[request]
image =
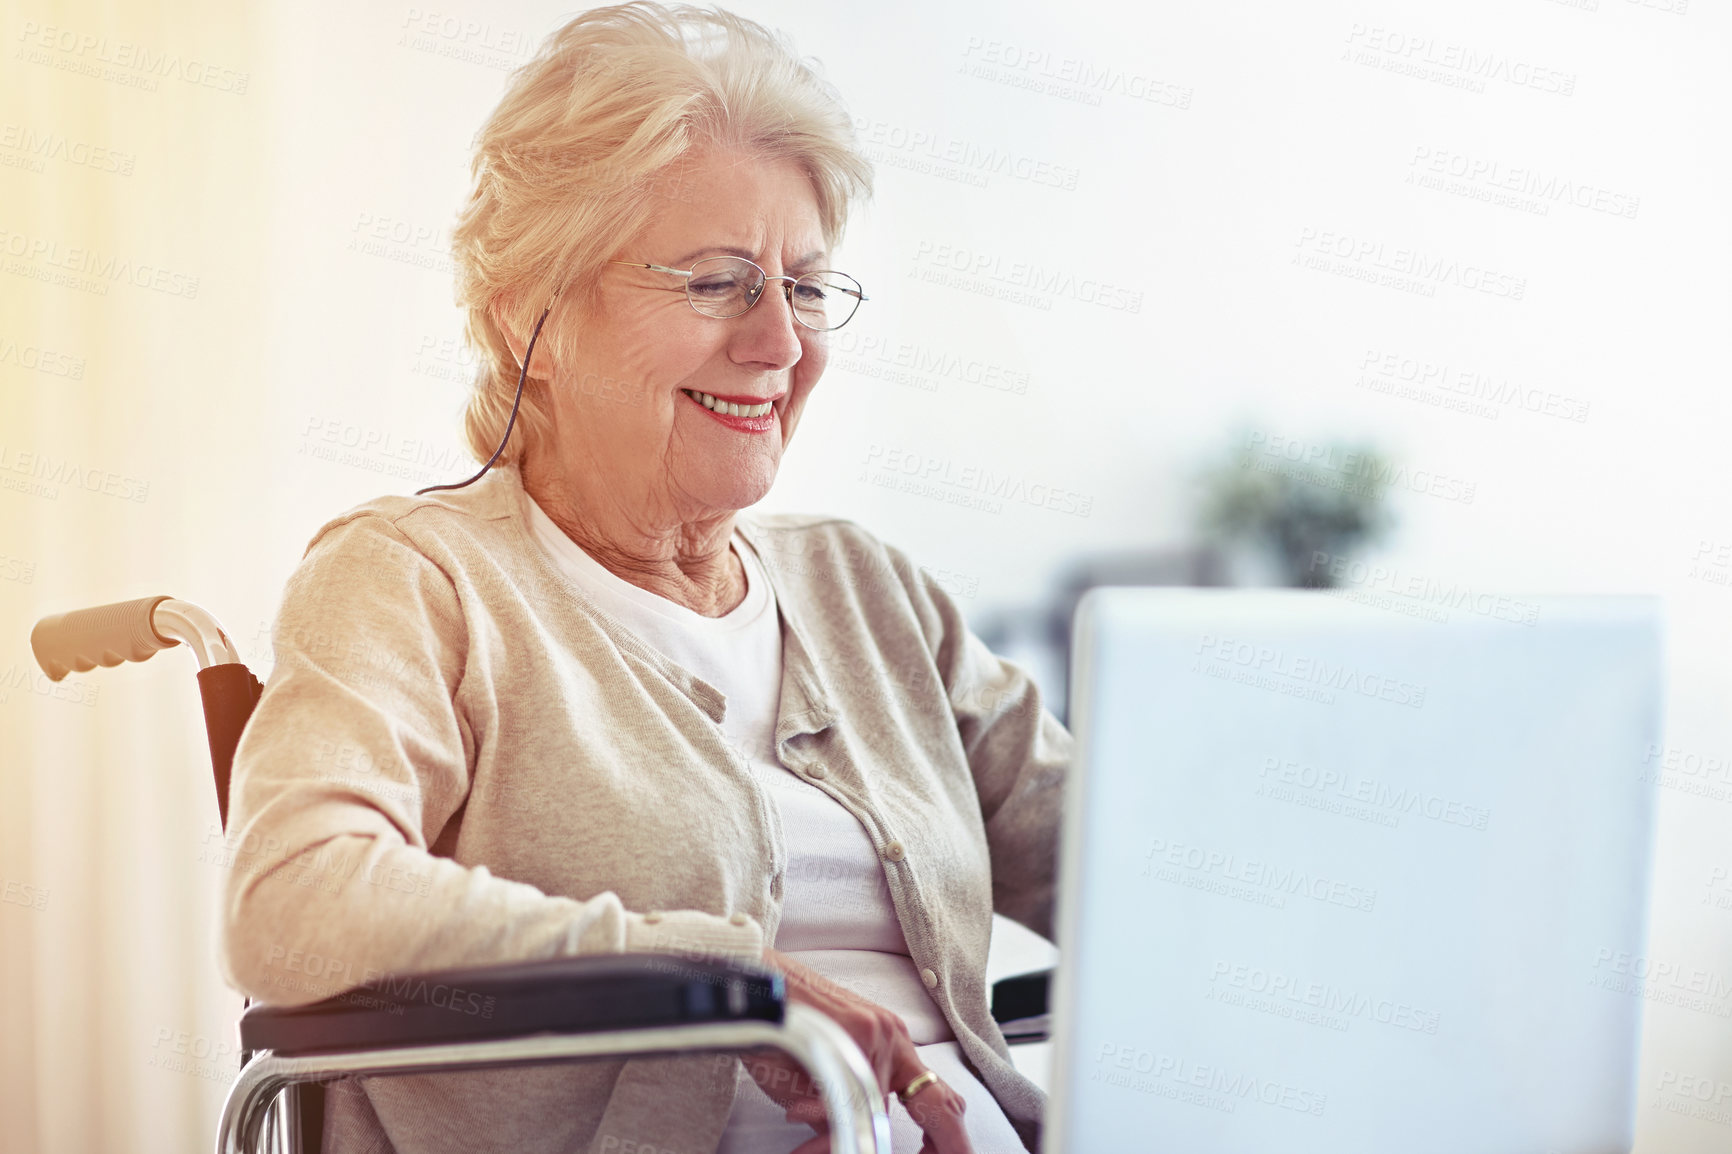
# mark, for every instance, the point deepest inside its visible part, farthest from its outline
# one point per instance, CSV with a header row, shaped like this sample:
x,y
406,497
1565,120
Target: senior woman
x,y
584,705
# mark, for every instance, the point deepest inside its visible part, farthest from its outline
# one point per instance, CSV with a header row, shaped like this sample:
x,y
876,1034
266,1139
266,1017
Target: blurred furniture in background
x,y
1039,636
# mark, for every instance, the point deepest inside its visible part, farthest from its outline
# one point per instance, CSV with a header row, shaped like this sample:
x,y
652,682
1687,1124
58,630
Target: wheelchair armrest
x,y
571,995
1019,1006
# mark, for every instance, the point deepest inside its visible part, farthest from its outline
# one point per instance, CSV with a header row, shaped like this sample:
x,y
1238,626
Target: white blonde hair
x,y
564,169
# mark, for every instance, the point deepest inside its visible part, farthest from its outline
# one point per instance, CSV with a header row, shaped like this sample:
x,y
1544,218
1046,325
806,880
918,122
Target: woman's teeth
x,y
727,408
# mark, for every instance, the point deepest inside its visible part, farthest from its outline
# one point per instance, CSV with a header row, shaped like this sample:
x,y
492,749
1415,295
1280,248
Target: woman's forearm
x,y
355,910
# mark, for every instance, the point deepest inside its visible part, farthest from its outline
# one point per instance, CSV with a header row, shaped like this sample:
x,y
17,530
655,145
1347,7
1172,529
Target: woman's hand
x,y
883,1037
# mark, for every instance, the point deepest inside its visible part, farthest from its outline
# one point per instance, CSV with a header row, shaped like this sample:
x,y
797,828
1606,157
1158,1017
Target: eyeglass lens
x,y
726,286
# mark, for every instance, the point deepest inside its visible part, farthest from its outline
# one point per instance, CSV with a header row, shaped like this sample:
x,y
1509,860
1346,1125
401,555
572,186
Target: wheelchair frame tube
x,y
852,1102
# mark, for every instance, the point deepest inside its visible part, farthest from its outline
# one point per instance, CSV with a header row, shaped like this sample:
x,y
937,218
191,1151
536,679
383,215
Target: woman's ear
x,y
501,311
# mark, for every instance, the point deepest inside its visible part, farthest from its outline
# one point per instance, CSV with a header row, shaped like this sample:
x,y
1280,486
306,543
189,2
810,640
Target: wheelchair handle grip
x,y
101,635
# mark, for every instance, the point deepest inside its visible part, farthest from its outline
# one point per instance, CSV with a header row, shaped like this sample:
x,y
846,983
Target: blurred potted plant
x,y
1291,502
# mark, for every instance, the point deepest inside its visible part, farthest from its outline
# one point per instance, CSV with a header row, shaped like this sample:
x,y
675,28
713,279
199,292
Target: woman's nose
x,y
771,334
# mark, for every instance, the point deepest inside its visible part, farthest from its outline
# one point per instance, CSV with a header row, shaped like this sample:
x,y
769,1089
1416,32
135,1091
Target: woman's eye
x,y
715,286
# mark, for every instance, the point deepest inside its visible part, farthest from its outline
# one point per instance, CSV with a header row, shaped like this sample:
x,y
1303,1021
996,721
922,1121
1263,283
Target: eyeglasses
x,y
726,286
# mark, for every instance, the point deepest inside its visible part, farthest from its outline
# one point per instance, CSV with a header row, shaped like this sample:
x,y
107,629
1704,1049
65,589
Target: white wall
x,y
1231,143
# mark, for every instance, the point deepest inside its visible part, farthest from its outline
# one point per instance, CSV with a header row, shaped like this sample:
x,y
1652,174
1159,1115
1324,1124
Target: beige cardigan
x,y
459,760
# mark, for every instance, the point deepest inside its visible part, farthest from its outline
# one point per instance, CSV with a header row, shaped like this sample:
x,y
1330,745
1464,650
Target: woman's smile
x,y
743,413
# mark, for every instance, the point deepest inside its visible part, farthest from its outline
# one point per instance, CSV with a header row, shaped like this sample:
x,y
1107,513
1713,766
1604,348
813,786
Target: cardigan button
x,y
739,919
930,978
652,917
894,851
816,771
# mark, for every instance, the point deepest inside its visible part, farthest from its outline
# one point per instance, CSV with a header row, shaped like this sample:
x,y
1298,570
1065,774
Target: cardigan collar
x,y
807,705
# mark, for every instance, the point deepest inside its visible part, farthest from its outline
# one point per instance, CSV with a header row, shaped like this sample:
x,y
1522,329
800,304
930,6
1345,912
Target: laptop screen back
x,y
1340,879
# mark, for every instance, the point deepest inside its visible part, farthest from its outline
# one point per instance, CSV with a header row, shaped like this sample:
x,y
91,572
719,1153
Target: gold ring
x,y
917,1085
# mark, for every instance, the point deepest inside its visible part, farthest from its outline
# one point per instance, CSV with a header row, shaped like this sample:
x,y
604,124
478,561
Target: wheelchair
x,y
542,1012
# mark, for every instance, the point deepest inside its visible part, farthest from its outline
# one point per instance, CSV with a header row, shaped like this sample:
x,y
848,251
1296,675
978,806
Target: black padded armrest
x,y
561,995
1020,996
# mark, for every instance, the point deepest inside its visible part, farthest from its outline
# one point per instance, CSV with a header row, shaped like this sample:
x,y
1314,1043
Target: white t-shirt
x,y
837,916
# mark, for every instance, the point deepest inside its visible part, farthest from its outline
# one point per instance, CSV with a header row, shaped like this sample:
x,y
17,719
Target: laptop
x,y
1355,878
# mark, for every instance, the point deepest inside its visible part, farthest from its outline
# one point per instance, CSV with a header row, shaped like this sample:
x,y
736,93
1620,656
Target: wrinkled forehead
x,y
734,202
